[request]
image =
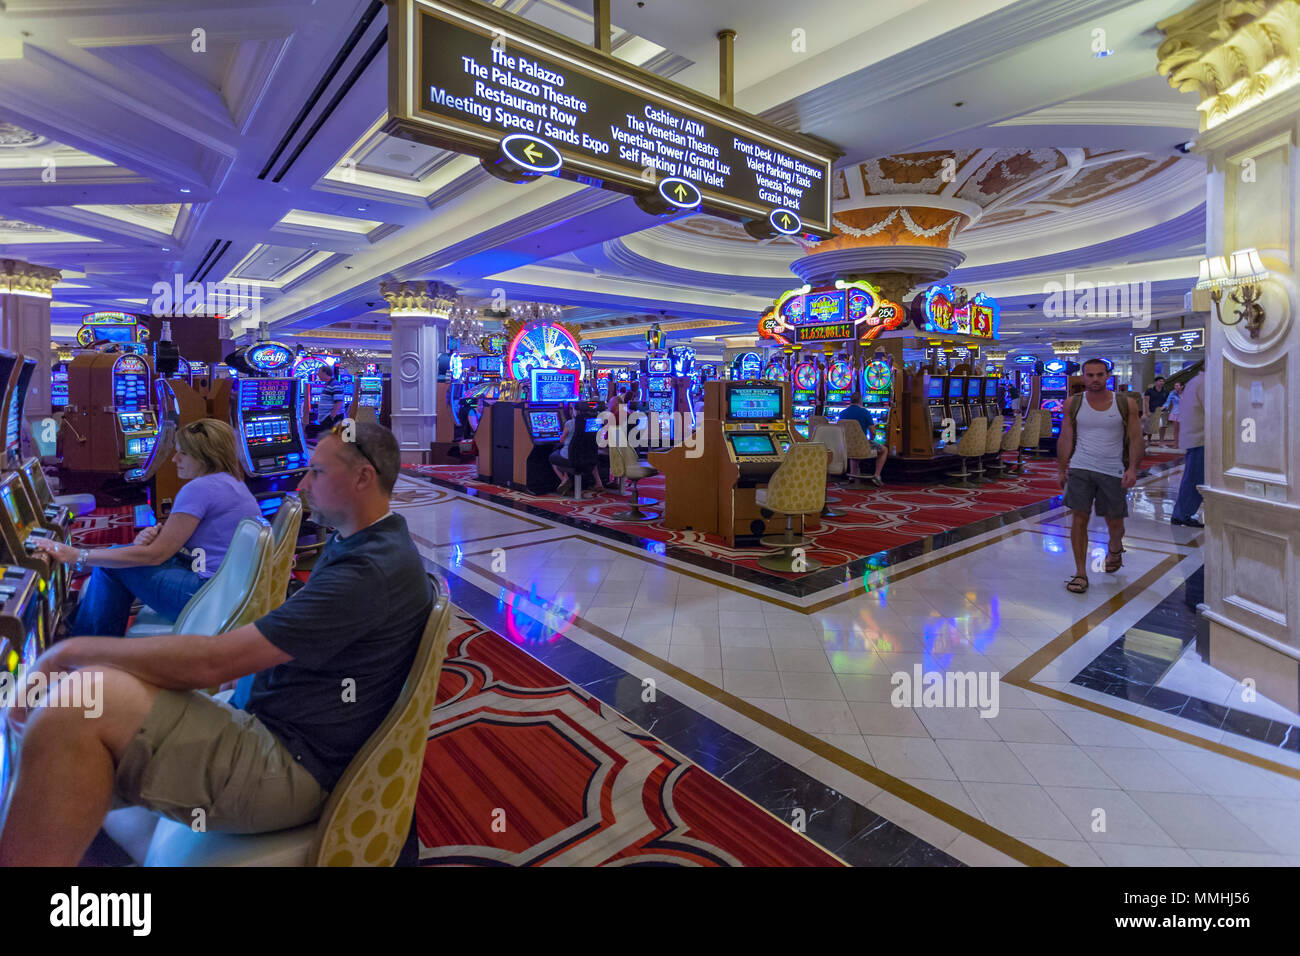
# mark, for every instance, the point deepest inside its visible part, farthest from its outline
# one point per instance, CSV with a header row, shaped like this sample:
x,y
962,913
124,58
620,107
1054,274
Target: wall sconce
x,y
1241,274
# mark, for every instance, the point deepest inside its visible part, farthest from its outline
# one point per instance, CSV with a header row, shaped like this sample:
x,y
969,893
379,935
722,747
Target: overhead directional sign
x,y
465,74
679,192
1183,340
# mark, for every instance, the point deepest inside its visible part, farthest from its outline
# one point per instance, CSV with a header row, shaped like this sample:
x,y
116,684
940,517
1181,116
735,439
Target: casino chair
x,y
1044,431
994,447
582,456
233,597
1028,439
367,818
857,448
832,436
284,541
1011,442
971,445
797,487
625,465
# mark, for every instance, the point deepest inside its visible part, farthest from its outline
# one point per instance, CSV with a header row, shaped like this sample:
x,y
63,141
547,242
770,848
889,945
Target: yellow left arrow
x,y
532,152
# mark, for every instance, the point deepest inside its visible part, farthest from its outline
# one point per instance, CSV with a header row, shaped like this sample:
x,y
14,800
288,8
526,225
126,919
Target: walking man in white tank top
x,y
1097,457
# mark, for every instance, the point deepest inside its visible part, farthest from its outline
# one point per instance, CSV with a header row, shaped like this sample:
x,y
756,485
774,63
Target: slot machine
x,y
304,369
659,397
110,425
878,398
265,406
954,401
774,371
839,388
974,389
371,390
1054,390
59,387
37,499
22,639
927,411
991,407
803,403
19,531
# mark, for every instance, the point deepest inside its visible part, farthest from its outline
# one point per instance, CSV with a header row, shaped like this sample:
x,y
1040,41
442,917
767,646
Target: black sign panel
x,y
1181,340
465,75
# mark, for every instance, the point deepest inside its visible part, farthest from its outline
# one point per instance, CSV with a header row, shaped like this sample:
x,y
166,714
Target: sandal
x,y
1073,587
1114,561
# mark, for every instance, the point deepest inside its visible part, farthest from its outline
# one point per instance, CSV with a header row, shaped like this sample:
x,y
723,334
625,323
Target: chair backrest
x,y
798,486
284,541
832,436
1011,439
972,441
857,444
994,442
231,598
626,456
368,814
582,447
1029,433
617,442
817,421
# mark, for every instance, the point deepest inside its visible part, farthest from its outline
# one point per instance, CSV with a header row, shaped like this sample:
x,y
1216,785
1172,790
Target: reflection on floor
x,y
800,685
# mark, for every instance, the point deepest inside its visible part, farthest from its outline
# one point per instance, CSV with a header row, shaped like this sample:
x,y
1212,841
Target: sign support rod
x,y
726,66
600,18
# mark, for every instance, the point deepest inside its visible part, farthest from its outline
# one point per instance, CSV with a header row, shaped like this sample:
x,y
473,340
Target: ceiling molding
x,y
1110,113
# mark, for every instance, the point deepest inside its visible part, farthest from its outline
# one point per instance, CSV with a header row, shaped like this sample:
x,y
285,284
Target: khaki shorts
x,y
193,752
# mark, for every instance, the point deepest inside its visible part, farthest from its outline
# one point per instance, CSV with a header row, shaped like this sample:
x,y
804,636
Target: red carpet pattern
x,y
104,527
874,519
526,769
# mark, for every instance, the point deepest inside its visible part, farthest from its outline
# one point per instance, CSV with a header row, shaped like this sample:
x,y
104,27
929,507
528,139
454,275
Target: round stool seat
x,y
79,505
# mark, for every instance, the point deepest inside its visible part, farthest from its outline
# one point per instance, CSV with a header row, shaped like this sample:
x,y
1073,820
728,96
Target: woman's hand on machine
x,y
60,552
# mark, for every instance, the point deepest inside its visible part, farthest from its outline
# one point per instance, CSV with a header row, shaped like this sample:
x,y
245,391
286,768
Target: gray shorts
x,y
196,753
1085,488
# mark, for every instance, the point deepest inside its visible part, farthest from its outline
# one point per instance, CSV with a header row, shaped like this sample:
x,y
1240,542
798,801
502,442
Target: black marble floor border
x,y
844,827
1127,673
804,586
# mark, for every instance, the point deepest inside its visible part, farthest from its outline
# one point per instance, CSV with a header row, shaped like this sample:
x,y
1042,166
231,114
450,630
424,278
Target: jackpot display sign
x,y
607,121
842,312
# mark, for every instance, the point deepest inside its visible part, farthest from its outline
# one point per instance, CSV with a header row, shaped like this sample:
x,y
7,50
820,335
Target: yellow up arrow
x,y
532,152
681,191
785,219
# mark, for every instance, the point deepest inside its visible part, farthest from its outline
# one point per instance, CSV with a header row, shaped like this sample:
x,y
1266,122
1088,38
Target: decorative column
x,y
1244,61
25,294
418,312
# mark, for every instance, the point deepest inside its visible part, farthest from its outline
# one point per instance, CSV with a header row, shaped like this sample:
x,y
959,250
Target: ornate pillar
x,y
418,313
25,294
1243,60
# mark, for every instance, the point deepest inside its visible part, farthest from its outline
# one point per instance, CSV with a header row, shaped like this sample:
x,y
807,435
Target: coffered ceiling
x,y
240,140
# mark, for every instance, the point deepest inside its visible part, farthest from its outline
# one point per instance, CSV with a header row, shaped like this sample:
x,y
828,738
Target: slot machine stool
x,y
832,436
797,487
79,505
971,445
623,463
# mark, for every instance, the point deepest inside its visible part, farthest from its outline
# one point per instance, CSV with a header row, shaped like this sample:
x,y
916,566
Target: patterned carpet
x,y
104,527
874,519
526,769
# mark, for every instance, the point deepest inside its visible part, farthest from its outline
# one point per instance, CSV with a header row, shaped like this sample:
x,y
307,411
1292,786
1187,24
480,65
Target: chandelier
x,y
535,312
464,322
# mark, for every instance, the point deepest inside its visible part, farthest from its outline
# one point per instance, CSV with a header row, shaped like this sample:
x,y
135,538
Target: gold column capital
x,y
429,298
23,278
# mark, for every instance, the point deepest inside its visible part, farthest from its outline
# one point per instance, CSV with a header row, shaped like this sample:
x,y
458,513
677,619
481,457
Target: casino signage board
x,y
1184,340
465,76
980,317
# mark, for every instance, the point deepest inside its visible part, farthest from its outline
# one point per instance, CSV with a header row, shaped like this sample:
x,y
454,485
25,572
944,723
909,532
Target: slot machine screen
x,y
130,384
553,384
954,389
934,388
13,426
1055,383
1110,383
833,413
115,333
593,425
265,408
490,364
753,403
11,506
752,444
59,389
658,366
544,425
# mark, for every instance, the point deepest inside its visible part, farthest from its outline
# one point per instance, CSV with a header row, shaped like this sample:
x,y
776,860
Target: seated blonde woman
x,y
160,567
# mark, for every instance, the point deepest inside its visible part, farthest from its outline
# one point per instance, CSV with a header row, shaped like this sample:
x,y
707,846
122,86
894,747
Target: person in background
x,y
208,508
1192,420
561,454
857,413
618,398
634,397
1153,410
332,396
1175,397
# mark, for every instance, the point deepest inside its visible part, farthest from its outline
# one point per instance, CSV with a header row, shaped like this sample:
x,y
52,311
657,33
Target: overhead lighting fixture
x,y
1102,54
185,190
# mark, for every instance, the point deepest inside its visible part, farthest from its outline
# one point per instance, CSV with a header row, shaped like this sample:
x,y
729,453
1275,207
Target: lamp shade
x,y
1247,265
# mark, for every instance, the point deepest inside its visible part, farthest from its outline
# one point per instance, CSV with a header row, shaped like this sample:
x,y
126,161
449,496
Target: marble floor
x,y
788,698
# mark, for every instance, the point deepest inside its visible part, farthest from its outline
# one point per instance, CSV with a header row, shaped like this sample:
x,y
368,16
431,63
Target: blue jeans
x,y
1189,499
105,604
